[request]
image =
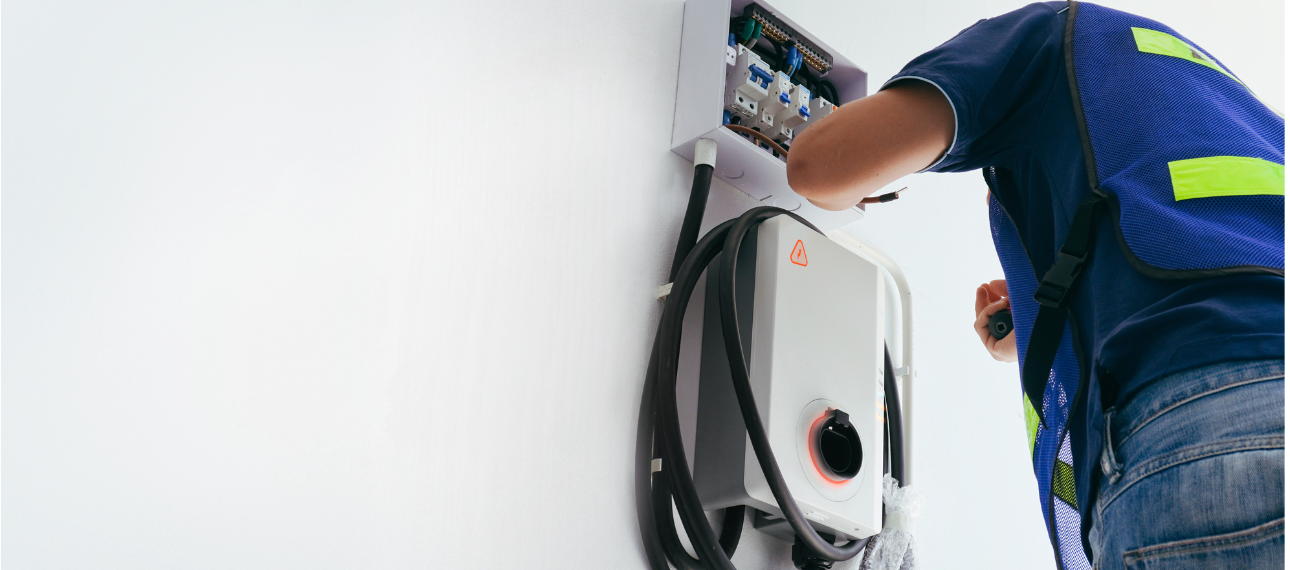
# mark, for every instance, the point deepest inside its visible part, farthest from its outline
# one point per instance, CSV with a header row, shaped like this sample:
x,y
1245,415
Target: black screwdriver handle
x,y
1001,324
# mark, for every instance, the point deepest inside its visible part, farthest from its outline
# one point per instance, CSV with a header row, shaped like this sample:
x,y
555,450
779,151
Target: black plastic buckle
x,y
1059,279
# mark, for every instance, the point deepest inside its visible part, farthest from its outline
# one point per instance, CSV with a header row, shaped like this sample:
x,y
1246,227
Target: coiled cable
x,y
658,427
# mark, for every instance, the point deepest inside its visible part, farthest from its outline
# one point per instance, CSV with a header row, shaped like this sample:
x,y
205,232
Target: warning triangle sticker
x,y
799,254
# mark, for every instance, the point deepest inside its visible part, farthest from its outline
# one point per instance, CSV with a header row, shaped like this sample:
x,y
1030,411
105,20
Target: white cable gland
x,y
705,152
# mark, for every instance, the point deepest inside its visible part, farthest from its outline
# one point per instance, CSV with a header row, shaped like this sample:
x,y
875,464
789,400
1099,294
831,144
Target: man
x,y
1137,206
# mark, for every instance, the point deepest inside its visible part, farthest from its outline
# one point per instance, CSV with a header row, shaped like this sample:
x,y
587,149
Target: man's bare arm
x,y
868,144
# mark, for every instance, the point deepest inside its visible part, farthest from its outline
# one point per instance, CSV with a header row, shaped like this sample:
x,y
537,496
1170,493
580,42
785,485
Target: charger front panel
x,y
811,319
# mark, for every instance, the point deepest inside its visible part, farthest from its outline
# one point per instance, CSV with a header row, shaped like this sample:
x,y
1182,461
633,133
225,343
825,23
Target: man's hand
x,y
991,298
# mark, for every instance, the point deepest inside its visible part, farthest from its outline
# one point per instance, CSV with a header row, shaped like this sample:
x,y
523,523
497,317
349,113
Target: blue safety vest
x,y
1190,165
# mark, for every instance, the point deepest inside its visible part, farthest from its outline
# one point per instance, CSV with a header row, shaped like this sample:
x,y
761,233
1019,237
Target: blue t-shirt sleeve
x,y
996,75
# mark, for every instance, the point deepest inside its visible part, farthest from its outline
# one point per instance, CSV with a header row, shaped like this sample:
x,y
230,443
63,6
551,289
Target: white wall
x,y
369,284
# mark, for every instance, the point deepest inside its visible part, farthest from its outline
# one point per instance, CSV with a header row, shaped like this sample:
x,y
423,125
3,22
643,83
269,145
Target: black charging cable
x,y
662,470
653,488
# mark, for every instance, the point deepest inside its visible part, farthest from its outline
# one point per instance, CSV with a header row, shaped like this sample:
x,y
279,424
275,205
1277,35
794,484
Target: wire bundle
x,y
749,32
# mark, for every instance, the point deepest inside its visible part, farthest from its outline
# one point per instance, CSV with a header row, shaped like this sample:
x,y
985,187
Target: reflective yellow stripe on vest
x,y
1215,176
1063,482
1151,41
1032,422
1160,43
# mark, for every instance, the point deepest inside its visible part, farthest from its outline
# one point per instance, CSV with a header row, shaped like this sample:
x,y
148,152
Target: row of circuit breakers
x,y
764,96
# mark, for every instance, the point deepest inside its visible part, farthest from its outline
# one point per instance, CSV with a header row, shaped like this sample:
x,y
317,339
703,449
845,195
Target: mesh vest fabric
x,y
1144,110
1052,446
1144,115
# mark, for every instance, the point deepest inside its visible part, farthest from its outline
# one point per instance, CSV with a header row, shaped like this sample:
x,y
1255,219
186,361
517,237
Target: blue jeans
x,y
1192,473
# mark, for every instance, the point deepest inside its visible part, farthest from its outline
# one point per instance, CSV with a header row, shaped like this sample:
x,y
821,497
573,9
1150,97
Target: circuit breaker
x,y
812,318
747,65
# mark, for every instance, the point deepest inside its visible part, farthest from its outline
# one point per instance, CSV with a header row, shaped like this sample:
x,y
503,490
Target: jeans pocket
x,y
1258,548
1111,465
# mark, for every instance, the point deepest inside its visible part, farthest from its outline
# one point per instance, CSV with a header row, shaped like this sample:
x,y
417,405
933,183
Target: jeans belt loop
x,y
1111,466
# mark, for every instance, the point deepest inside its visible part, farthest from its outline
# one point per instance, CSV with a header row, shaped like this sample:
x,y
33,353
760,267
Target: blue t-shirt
x,y
1006,80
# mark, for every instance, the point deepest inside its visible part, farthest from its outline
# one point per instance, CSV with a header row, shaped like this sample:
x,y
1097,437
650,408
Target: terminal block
x,y
778,31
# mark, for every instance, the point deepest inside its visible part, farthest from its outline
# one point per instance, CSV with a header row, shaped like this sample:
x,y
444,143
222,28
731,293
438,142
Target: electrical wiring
x,y
883,199
759,136
653,489
756,35
793,60
805,79
826,84
743,28
894,422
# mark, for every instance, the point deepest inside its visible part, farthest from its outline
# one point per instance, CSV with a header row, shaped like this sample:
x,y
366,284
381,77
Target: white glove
x,y
893,548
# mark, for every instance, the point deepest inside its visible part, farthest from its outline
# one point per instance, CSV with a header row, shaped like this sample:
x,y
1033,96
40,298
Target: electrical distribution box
x,y
747,64
812,320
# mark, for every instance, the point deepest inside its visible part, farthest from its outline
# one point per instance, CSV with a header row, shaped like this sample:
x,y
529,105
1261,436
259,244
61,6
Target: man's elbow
x,y
808,176
799,175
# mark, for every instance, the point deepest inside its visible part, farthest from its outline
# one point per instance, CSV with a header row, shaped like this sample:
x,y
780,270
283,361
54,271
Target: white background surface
x,y
370,284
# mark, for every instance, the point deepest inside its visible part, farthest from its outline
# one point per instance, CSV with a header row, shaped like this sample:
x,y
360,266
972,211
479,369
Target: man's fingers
x,y
983,317
982,324
991,298
984,333
999,287
1005,349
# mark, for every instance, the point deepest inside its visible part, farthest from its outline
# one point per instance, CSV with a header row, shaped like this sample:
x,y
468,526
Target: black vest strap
x,y
1051,296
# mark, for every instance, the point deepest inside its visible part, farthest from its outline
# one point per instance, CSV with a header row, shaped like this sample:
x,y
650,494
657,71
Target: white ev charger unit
x,y
799,416
811,317
796,417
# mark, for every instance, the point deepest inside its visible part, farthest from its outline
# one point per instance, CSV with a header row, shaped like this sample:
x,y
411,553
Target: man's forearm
x,y
868,144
